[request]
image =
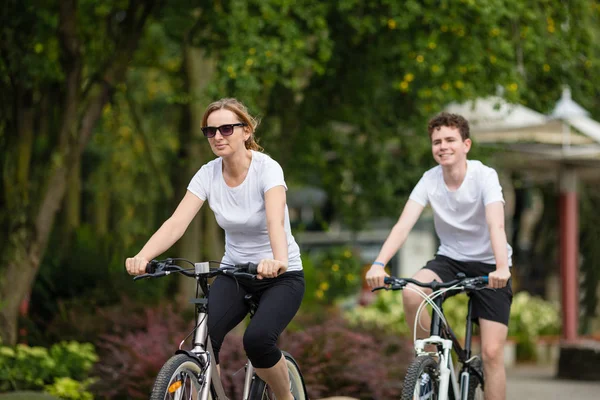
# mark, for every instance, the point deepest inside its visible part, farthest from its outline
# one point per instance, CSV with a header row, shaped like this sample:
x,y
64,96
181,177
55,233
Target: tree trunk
x,y
203,239
29,238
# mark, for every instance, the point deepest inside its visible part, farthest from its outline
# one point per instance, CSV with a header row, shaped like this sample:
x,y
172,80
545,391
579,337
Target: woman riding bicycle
x,y
246,190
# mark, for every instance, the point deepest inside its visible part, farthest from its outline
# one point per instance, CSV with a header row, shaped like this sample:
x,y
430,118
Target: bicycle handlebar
x,y
465,283
156,269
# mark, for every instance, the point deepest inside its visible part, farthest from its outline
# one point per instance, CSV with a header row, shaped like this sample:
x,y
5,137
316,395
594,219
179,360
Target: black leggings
x,y
280,299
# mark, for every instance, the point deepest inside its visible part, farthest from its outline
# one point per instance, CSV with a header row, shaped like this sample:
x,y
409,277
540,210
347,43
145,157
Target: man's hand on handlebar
x,y
271,268
136,265
499,278
375,276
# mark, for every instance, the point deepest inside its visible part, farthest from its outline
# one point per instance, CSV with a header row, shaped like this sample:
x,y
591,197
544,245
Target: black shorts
x,y
490,304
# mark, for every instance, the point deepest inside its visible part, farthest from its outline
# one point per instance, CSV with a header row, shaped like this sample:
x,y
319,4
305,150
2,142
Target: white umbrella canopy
x,y
493,113
534,142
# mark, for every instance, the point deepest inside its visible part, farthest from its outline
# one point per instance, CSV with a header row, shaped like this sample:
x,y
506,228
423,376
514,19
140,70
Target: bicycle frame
x,y
445,340
202,347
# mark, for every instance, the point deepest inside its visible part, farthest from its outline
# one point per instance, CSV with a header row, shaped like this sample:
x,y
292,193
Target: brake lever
x,y
380,288
155,275
244,275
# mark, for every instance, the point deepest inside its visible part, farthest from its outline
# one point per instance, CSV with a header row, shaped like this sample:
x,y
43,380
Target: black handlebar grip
x,y
252,268
151,267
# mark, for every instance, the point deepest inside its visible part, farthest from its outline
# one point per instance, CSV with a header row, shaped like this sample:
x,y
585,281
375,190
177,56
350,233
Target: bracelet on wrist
x,y
379,263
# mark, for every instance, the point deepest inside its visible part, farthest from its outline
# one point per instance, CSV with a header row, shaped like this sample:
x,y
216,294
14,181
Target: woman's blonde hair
x,y
239,109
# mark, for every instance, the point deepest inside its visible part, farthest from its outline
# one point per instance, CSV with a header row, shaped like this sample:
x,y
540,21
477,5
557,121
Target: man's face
x,y
447,146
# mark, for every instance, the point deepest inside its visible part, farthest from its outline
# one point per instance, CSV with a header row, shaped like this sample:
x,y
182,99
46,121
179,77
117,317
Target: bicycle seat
x,y
252,303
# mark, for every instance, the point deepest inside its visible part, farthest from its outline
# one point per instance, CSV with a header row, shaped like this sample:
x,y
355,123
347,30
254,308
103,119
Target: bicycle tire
x,y
475,381
259,390
180,374
421,380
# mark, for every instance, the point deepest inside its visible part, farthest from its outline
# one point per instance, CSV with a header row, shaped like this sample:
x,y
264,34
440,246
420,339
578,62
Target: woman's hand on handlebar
x,y
271,268
136,265
375,276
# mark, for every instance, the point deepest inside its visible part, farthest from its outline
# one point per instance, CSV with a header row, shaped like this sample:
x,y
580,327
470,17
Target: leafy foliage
x,y
132,355
336,359
61,370
331,275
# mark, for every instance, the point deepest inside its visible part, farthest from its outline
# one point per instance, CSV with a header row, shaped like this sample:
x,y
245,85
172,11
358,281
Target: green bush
x,y
331,274
386,314
530,317
38,368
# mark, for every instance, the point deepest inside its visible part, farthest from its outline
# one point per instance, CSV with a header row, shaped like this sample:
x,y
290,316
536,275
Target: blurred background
x,y
100,116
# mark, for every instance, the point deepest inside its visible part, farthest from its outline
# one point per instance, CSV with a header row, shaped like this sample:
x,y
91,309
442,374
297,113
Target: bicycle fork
x,y
445,362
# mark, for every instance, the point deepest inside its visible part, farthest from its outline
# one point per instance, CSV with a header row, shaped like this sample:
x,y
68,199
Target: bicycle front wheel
x,y
259,390
421,381
475,381
178,379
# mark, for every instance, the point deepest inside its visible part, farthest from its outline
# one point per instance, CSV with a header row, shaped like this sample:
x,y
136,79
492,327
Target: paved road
x,y
540,383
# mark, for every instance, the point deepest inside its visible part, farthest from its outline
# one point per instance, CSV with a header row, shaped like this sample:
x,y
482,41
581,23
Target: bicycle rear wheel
x,y
259,390
178,379
421,380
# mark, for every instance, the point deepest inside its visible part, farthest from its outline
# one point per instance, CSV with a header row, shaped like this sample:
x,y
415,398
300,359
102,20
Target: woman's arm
x,y
275,201
169,233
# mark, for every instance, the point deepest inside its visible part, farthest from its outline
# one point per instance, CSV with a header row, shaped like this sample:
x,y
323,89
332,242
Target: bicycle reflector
x,y
174,386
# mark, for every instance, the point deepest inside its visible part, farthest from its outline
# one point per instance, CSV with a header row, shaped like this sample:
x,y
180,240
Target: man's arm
x,y
494,215
411,213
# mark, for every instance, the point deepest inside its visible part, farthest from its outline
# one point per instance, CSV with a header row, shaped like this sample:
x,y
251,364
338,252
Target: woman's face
x,y
224,146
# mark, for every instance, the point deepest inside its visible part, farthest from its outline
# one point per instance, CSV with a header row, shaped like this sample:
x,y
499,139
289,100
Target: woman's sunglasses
x,y
226,130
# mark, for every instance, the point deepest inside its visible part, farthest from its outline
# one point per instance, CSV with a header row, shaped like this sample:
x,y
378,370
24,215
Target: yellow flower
x,y
252,51
391,24
513,87
335,267
38,48
420,58
495,32
446,86
404,85
350,277
493,59
249,62
435,68
347,253
459,84
319,294
268,53
324,286
230,69
432,45
409,77
546,68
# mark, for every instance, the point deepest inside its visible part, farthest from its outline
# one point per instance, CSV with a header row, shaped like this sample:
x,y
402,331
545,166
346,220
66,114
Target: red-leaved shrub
x,y
130,361
336,360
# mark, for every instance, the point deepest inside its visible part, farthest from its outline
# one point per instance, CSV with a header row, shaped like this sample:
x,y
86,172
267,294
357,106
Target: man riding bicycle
x,y
466,198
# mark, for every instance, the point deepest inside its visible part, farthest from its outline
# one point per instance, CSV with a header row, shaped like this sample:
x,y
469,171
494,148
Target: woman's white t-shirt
x,y
240,210
459,216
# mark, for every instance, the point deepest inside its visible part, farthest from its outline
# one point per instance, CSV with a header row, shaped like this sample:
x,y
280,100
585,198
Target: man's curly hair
x,y
451,121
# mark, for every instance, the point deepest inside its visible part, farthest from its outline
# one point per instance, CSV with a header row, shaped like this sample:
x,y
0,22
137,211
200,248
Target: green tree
x,y
61,62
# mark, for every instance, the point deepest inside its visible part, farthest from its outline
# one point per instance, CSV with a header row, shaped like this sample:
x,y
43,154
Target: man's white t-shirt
x,y
459,216
240,210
